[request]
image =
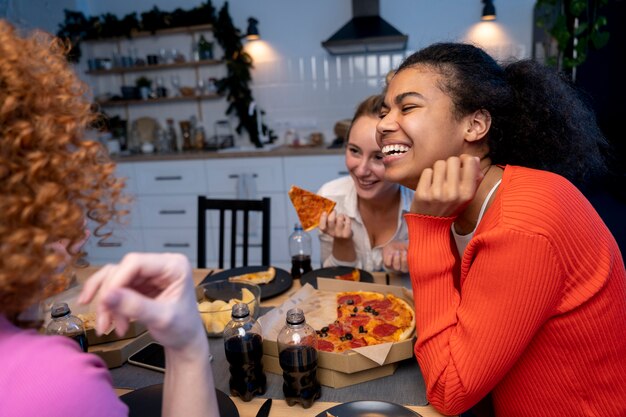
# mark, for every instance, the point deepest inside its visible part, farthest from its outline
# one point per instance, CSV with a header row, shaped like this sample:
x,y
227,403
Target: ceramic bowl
x,y
216,300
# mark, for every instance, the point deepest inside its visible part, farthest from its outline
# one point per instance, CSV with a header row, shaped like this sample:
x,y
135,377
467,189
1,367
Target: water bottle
x,y
65,324
297,355
244,351
300,251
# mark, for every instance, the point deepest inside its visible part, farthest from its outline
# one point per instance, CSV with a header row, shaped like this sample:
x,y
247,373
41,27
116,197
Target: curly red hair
x,y
50,177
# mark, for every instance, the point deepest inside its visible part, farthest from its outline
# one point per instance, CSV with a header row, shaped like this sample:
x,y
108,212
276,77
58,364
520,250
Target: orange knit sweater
x,y
537,316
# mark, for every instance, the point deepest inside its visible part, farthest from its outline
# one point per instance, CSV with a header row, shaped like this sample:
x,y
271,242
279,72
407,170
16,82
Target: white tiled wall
x,y
313,93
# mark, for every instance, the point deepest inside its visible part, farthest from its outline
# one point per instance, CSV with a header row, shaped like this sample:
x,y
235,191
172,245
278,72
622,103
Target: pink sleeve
x,y
52,377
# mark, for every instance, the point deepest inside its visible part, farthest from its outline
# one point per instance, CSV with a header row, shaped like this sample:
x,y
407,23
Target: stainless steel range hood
x,y
365,32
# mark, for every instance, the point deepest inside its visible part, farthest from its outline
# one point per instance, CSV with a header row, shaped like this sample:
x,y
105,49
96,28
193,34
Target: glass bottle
x,y
65,324
243,344
171,135
297,355
300,251
185,131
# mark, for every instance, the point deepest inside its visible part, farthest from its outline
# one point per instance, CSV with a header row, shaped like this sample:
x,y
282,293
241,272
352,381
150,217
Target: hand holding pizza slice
x,y
309,206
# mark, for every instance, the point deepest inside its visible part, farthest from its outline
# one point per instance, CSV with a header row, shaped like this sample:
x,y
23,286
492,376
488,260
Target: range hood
x,y
365,32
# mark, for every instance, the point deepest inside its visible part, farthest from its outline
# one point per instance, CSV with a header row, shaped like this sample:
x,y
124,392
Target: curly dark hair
x,y
51,178
538,118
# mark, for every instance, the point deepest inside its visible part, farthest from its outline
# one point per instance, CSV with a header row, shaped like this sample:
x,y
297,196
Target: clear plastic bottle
x,y
243,344
300,251
297,355
65,324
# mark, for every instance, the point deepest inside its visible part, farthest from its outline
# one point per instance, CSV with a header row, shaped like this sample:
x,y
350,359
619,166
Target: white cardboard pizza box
x,y
348,368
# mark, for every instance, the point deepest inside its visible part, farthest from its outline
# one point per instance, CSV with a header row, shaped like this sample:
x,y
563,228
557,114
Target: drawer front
x,y
311,172
126,170
181,240
115,247
225,175
185,177
169,211
278,215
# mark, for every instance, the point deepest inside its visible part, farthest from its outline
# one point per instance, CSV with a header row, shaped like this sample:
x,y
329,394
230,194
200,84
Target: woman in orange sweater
x,y
520,289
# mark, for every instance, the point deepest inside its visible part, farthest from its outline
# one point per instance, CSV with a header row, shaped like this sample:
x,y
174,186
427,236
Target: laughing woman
x,y
366,229
520,289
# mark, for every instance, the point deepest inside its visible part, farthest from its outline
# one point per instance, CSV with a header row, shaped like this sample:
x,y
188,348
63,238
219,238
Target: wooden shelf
x,y
119,103
162,32
158,67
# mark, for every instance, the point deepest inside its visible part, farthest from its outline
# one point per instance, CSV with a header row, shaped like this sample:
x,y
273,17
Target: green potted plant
x,y
145,87
567,29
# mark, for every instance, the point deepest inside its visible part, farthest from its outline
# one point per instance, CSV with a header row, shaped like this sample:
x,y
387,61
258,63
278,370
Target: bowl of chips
x,y
216,300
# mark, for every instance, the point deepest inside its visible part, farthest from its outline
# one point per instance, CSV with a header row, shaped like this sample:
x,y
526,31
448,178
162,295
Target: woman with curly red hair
x,y
51,181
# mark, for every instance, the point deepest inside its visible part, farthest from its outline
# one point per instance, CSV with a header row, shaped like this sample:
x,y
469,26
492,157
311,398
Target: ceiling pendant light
x,y
489,10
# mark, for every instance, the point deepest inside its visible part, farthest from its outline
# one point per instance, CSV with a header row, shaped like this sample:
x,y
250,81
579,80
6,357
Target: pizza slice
x,y
309,206
260,277
354,275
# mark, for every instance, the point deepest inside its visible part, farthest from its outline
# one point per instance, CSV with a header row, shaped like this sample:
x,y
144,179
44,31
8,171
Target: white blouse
x,y
343,192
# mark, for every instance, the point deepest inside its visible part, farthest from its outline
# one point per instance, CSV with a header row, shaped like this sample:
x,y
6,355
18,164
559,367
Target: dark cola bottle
x,y
65,324
243,344
297,354
300,248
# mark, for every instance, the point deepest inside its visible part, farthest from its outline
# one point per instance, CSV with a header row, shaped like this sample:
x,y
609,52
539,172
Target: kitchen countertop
x,y
231,153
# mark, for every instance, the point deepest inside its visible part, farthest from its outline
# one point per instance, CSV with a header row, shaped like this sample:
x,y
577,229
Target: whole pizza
x,y
366,318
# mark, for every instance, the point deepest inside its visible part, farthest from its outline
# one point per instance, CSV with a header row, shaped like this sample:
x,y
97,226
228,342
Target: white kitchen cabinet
x,y
180,240
224,175
164,207
170,177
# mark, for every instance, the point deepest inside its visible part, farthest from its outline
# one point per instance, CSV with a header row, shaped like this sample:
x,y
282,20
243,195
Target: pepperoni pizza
x,y
366,318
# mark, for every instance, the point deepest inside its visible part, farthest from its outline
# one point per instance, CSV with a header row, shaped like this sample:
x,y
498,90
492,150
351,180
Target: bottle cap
x,y
240,311
295,316
59,310
297,226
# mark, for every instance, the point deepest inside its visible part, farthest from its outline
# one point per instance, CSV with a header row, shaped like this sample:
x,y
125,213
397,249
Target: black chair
x,y
234,206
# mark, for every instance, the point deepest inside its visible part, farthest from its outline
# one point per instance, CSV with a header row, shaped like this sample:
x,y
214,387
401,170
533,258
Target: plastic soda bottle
x,y
297,355
244,351
300,251
65,324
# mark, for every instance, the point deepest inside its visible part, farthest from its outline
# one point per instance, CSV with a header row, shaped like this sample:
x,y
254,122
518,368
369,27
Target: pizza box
x,y
354,362
85,313
115,353
335,379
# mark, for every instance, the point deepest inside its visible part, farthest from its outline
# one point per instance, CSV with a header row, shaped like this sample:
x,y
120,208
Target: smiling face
x,y
418,125
365,161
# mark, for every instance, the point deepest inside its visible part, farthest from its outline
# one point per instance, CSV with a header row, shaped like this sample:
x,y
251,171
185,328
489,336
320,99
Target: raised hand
x,y
448,187
155,289
339,226
395,256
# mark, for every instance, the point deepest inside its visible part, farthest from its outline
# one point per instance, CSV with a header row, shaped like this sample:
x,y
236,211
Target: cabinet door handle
x,y
176,245
237,176
342,173
109,244
169,178
172,211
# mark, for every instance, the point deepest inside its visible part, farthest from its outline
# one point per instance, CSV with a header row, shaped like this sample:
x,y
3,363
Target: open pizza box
x,y
113,349
338,369
87,314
